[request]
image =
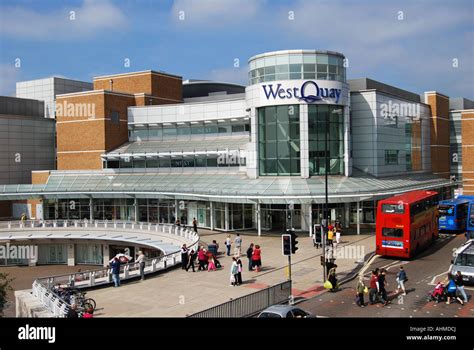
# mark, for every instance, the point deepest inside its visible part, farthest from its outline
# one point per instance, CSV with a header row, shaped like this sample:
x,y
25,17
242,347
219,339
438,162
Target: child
x,y
211,266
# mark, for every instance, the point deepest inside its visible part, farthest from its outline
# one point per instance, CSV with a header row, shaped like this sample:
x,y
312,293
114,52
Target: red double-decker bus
x,y
406,224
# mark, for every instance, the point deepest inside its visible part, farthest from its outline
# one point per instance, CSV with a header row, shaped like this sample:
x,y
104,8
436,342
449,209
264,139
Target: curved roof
x,y
288,52
235,187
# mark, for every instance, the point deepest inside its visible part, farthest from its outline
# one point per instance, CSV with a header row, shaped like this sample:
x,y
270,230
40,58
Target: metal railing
x,y
249,305
42,288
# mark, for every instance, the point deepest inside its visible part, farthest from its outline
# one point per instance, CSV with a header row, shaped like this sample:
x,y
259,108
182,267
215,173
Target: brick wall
x,y
467,120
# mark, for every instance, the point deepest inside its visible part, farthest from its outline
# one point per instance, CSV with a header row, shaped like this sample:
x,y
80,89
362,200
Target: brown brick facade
x,y
81,139
439,133
467,126
149,82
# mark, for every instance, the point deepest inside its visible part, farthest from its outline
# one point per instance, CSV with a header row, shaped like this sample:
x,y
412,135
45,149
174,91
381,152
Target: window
x,y
115,117
392,232
446,210
279,143
465,259
391,157
393,208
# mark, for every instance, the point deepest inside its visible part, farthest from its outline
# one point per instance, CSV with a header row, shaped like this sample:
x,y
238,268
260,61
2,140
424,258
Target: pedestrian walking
x,y
257,258
202,259
191,258
360,290
239,273
401,279
115,266
452,289
228,244
338,235
234,270
374,287
184,256
238,245
141,263
195,225
249,256
458,279
382,287
330,236
211,265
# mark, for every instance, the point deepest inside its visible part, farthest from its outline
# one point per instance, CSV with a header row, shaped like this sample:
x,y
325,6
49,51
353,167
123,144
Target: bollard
x,y
92,278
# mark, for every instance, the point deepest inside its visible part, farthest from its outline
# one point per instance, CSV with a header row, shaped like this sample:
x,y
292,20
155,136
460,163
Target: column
x,y
310,218
106,257
212,215
91,209
252,153
226,217
135,205
347,215
304,143
358,218
259,219
347,142
305,221
176,210
71,258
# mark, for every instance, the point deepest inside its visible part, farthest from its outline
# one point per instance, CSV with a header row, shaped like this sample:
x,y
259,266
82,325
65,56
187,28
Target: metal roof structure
x,y
228,187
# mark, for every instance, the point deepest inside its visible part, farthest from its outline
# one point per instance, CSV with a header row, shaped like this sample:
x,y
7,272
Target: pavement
x,y
423,271
177,293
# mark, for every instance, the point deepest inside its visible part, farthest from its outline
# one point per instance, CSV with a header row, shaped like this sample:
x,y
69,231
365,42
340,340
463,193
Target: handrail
x,y
42,286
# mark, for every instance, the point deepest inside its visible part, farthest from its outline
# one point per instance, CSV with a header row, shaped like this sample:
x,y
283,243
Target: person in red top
x,y
374,287
257,258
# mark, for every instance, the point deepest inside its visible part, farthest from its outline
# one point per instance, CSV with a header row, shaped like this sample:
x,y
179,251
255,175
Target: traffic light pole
x,y
289,279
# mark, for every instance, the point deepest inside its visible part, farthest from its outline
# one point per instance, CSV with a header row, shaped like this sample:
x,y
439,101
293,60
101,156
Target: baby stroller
x,y
439,293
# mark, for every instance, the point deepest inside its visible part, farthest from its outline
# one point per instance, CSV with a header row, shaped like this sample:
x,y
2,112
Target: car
x,y
284,311
463,261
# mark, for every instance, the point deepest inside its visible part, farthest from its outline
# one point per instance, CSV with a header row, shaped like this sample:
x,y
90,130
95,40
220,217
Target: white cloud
x,y
214,12
91,19
8,78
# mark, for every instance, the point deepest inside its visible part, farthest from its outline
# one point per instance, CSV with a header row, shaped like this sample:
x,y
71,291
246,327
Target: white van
x,y
463,260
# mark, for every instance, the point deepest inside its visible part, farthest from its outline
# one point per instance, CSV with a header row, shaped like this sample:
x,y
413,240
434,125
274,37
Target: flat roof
x,y
101,77
410,197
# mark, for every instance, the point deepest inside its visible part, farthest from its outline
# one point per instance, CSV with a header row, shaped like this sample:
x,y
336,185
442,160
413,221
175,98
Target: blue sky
x,y
410,44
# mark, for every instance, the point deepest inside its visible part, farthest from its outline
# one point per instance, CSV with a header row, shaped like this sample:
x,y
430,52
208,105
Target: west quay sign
x,y
309,92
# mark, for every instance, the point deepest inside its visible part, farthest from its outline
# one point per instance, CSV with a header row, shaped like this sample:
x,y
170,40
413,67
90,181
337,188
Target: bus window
x,y
446,210
392,232
393,208
471,217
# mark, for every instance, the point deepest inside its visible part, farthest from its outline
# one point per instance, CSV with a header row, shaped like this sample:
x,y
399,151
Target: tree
x,y
5,287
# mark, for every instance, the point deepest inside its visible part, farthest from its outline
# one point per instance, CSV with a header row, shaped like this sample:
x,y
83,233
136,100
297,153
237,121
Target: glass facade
x,y
156,210
232,159
71,209
318,115
279,140
90,254
165,132
286,66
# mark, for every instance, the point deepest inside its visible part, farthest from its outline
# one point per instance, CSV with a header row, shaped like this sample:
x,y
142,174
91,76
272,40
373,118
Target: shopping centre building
x,y
150,147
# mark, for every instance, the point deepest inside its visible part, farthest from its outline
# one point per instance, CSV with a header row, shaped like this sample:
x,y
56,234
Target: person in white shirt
x,y
141,261
238,245
228,244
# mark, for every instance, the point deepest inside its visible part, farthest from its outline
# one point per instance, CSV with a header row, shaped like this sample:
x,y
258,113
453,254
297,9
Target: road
x,y
422,272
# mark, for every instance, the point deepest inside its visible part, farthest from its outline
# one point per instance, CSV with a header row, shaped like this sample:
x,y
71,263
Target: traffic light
x,y
286,244
294,242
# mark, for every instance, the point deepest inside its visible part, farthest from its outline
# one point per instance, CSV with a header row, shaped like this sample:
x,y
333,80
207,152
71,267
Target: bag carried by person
x,y
327,285
232,279
366,290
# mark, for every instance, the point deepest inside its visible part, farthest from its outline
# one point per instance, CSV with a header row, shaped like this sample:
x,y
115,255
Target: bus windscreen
x,y
446,210
392,232
393,208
